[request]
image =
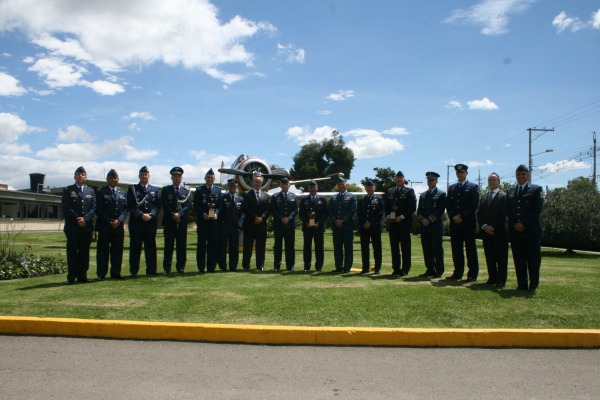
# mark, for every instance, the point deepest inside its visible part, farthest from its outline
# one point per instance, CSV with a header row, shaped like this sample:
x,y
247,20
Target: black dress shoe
x,y
364,272
100,278
532,292
181,271
260,268
490,282
396,273
522,288
425,275
471,279
318,269
499,285
116,277
69,282
133,276
377,272
83,280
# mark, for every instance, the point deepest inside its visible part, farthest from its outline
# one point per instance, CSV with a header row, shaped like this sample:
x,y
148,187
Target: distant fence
x,y
7,225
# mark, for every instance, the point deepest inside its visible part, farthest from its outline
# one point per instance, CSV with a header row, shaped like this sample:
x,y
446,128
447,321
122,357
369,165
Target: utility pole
x,y
594,150
543,130
448,176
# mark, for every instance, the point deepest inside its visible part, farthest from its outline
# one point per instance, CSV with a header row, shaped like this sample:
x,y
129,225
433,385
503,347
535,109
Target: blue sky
x,y
415,86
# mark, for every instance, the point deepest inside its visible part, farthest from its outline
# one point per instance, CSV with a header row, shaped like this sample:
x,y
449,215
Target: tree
x,y
323,158
571,216
385,178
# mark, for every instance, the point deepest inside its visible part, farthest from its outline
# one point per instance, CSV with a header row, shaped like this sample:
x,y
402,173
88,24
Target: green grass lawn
x,y
568,296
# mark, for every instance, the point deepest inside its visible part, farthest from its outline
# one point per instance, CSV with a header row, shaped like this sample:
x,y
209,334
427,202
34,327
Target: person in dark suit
x,y
342,209
206,204
232,208
284,208
463,200
370,213
176,203
313,214
492,228
432,204
143,201
523,208
400,204
257,211
79,206
112,211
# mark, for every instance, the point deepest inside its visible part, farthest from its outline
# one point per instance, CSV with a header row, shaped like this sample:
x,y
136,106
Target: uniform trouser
x,y
109,247
284,237
251,236
342,247
143,235
433,251
372,236
317,235
400,241
175,235
527,258
207,251
459,238
78,255
496,257
230,240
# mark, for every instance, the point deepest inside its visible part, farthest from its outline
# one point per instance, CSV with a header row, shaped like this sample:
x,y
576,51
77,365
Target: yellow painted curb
x,y
302,335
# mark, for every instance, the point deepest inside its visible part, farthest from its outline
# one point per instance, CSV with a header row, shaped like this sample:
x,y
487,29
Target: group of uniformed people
x,y
497,217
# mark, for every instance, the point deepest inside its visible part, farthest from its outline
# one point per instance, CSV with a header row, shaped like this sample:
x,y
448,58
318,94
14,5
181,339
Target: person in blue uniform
x,y
79,206
463,200
232,208
370,212
206,204
257,210
284,208
432,205
111,208
522,209
400,205
342,209
492,228
176,202
143,201
313,214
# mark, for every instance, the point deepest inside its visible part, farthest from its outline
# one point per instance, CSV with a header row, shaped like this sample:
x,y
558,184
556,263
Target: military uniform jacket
x,y
282,207
142,201
525,208
254,207
404,201
464,201
492,214
173,203
316,208
205,199
371,209
77,204
109,207
432,205
342,206
231,209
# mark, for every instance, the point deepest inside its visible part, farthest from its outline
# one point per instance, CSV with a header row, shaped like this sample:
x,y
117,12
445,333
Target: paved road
x,y
70,368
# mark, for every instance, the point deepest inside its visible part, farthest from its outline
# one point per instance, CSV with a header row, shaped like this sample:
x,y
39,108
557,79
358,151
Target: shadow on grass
x,y
53,285
564,254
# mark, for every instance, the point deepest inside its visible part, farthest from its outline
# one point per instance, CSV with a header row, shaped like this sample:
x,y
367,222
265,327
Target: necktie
x,y
114,193
177,191
490,198
313,199
520,190
257,195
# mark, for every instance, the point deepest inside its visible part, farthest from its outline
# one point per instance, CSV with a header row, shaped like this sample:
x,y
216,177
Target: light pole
x,y
543,130
531,162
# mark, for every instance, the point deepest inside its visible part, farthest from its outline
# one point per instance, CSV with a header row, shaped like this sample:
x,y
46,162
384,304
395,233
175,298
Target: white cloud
x,y
207,161
480,163
291,53
302,134
74,133
483,104
563,22
143,115
134,127
396,130
117,35
454,105
324,112
493,16
104,88
10,86
13,149
12,127
131,153
341,95
563,165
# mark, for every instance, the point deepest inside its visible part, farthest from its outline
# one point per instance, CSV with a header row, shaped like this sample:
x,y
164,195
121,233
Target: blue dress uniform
x,y
525,206
175,200
463,200
432,205
207,200
78,203
402,202
370,209
284,205
342,206
143,199
111,207
315,208
232,207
